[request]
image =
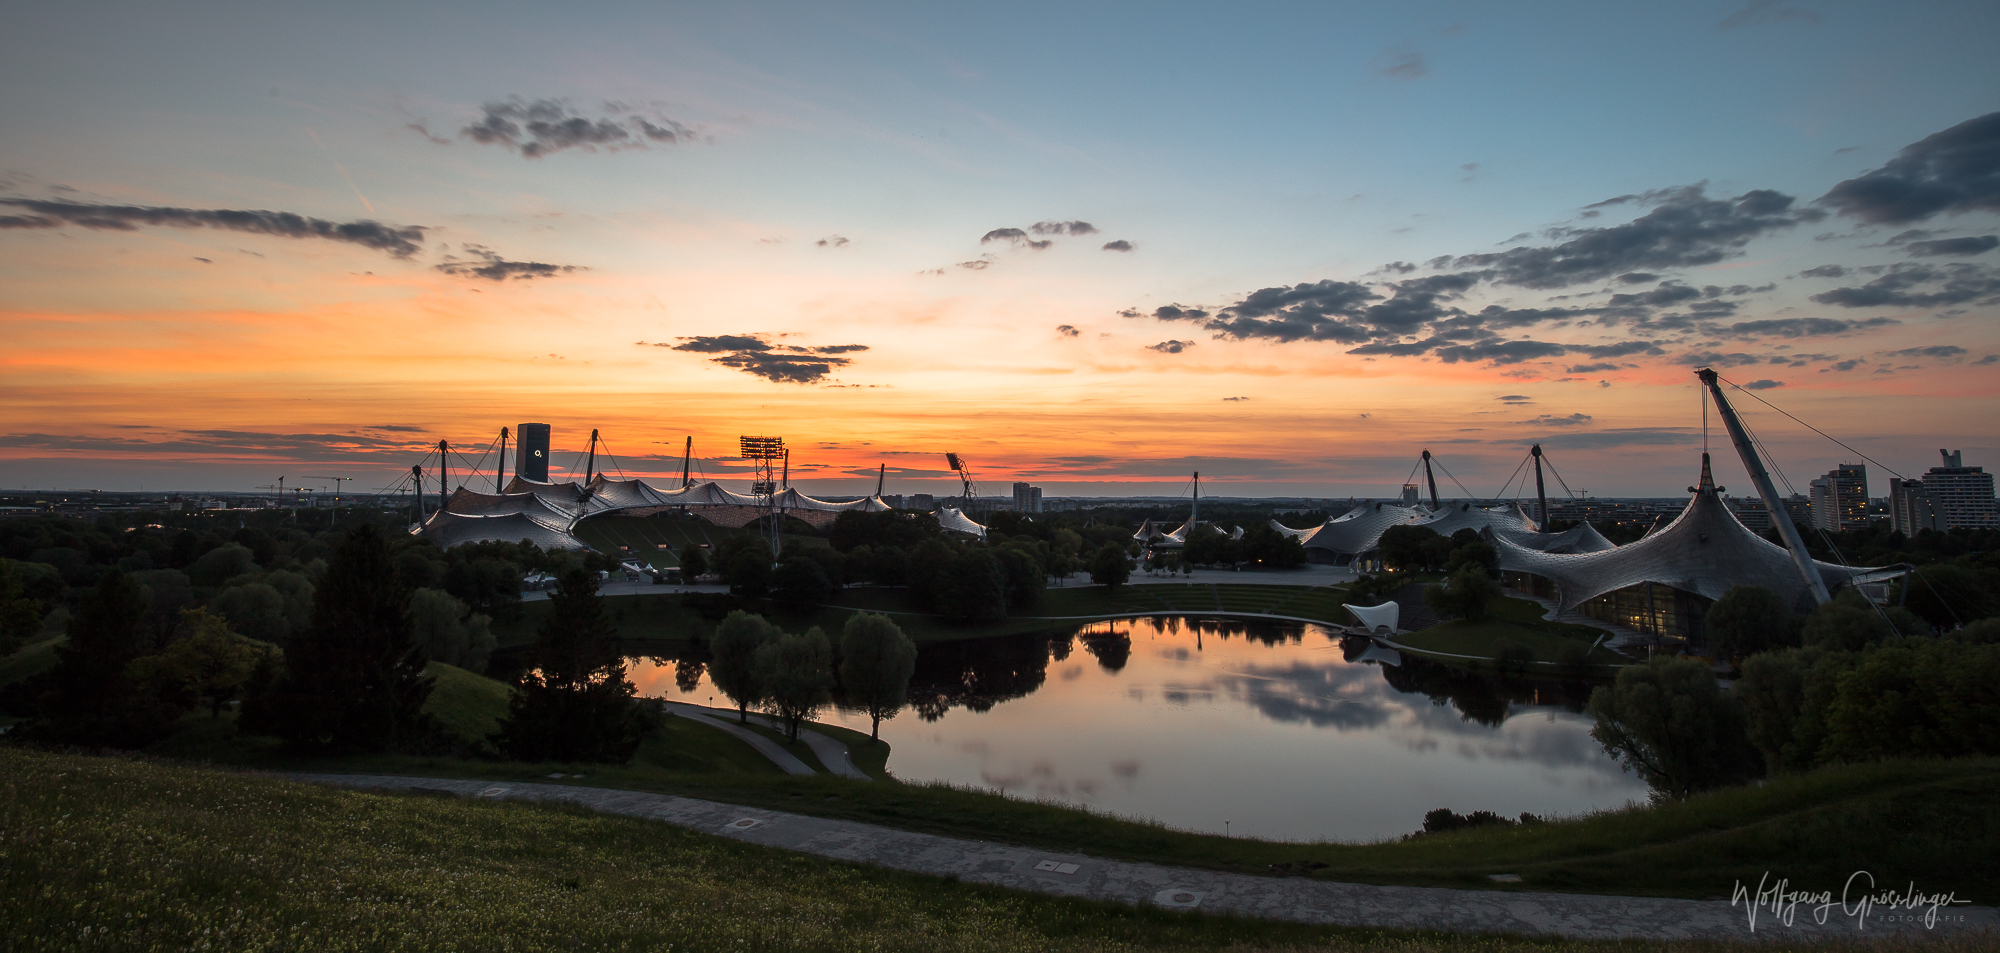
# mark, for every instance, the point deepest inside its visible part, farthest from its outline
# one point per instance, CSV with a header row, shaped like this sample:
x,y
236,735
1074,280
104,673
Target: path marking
x,y
1179,898
742,824
1056,868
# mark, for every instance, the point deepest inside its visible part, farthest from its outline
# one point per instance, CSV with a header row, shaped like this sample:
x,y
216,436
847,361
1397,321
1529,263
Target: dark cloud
x,y
1557,420
1515,399
779,363
1911,284
1765,11
1954,246
1934,352
1063,228
1015,236
1621,437
977,264
1234,399
1763,385
1591,368
832,241
1988,359
1119,245
1846,365
484,263
1801,327
1637,278
1824,271
1684,230
1957,170
398,241
1396,63
547,126
1067,330
1170,347
1500,352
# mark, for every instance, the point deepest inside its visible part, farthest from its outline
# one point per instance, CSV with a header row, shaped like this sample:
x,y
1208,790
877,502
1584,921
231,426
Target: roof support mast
x,y
590,466
1194,512
1432,479
881,476
500,469
1779,517
1541,494
444,475
687,457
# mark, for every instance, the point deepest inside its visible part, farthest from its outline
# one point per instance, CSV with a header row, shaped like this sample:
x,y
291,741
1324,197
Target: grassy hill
x,y
124,854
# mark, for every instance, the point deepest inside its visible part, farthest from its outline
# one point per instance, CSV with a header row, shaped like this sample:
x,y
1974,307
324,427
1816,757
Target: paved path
x,y
831,753
765,746
1295,899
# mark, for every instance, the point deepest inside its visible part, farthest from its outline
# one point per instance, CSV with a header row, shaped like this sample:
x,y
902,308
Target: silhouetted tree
x,y
876,661
354,680
1670,724
694,562
1747,620
1110,567
734,666
575,704
93,699
1465,595
800,583
796,672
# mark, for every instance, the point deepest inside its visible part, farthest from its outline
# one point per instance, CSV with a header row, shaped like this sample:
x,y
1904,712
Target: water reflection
x,y
1286,730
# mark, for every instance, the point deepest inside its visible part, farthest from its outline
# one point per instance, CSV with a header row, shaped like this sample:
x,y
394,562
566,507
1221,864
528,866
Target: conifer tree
x,y
354,680
575,704
92,698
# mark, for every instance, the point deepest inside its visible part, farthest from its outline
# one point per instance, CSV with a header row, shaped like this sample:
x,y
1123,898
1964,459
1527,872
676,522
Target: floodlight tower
x,y
764,453
964,471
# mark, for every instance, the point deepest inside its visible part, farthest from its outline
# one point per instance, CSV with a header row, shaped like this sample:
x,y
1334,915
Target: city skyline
x,y
1092,250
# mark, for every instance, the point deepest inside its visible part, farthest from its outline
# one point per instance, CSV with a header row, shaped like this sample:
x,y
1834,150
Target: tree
x,y
354,680
1747,620
1667,722
797,674
876,661
1110,567
958,581
1478,553
745,563
1025,579
1773,694
1849,623
1915,698
1271,549
575,704
1948,595
93,699
209,664
734,669
694,562
1466,594
20,616
1407,547
449,631
800,583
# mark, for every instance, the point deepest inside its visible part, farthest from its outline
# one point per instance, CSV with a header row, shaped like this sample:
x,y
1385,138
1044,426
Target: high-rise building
x,y
1410,495
1840,499
531,457
1965,494
1027,499
1911,508
922,501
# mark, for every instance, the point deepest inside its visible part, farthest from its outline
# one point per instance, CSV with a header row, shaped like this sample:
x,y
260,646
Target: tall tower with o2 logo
x,y
531,461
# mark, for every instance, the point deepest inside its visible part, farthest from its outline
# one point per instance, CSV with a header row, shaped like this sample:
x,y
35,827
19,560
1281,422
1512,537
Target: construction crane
x,y
278,486
337,481
964,471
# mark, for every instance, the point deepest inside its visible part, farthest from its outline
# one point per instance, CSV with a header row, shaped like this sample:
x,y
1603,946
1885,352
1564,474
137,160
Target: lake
x,y
1286,732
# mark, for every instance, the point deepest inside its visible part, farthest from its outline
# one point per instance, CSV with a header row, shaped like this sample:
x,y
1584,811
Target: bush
x,y
1110,567
1849,623
800,583
1513,659
1747,620
1916,698
1669,723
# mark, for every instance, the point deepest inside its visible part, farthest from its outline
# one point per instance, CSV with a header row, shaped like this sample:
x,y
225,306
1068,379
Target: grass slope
x,y
114,854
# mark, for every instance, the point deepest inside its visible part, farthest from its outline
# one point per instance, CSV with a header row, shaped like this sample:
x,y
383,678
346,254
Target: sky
x,y
1094,247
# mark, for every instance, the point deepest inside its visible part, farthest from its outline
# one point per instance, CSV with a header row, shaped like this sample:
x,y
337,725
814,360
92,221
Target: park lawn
x,y
468,705
1484,640
149,855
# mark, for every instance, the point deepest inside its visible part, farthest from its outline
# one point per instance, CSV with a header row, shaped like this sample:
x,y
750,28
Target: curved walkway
x,y
765,746
1295,899
830,753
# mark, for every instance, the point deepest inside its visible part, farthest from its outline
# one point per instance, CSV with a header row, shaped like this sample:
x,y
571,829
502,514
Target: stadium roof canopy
x,y
1704,551
546,514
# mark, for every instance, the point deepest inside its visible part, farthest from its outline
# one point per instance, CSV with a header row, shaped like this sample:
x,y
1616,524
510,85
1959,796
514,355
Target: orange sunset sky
x,y
1289,247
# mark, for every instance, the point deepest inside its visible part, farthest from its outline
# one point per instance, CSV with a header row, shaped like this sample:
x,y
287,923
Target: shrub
x,y
1747,620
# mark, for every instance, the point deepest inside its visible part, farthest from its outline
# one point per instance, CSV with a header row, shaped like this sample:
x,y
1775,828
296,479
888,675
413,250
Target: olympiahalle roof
x,y
1704,551
546,514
